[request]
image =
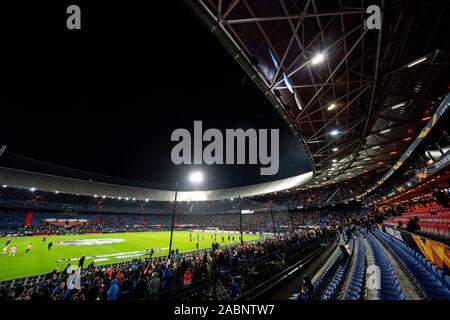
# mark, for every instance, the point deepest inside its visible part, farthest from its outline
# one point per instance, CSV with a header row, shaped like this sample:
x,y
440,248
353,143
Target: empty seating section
x,y
321,283
430,280
355,288
433,219
332,289
389,288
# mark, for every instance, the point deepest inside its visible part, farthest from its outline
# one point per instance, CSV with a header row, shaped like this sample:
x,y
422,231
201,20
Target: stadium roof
x,y
355,98
51,183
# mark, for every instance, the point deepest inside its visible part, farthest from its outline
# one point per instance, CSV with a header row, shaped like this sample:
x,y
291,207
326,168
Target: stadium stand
x,y
355,287
189,275
389,286
431,281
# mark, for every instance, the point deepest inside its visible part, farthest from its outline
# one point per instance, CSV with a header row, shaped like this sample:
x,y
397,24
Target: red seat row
x,y
442,229
437,218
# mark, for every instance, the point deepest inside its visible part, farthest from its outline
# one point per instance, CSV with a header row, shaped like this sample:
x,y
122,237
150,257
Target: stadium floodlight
x,y
398,105
103,197
120,198
4,186
331,107
196,177
412,64
146,200
56,191
126,198
318,58
334,132
32,189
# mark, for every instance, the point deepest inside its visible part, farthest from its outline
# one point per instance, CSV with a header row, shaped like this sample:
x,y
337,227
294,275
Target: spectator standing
x,y
153,286
113,292
187,277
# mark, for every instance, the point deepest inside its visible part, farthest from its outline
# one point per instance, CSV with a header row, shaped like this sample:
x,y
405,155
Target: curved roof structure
x,y
354,97
45,182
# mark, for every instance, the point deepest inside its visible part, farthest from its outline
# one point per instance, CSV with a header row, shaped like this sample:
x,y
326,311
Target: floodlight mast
x,y
273,218
195,177
291,216
240,221
173,220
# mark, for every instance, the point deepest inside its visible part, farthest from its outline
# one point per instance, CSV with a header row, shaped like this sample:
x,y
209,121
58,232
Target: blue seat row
x,y
332,290
389,288
322,281
355,289
432,282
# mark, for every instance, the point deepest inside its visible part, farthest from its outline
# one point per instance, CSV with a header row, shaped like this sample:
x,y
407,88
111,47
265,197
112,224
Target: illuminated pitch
x,y
98,248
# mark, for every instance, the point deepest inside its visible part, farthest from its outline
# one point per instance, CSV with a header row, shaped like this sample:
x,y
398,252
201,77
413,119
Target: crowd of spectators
x,y
14,198
338,192
191,274
12,222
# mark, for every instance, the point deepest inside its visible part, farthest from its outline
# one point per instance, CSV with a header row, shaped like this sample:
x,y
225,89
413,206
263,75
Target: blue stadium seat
x,y
355,287
389,286
429,279
333,289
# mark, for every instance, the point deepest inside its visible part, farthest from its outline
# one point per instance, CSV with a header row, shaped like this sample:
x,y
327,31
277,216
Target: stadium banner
x,y
430,170
28,218
425,131
66,222
434,251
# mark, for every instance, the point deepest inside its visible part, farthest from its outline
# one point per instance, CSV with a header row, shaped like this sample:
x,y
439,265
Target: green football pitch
x,y
100,248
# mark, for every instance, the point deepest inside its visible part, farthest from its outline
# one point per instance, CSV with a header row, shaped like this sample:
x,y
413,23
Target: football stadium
x,y
300,152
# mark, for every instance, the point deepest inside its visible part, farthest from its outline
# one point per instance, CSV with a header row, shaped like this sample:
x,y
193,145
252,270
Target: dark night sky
x,y
106,99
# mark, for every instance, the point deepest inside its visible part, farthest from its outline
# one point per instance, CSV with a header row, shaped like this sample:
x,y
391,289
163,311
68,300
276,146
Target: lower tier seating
x,y
431,281
355,288
389,288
